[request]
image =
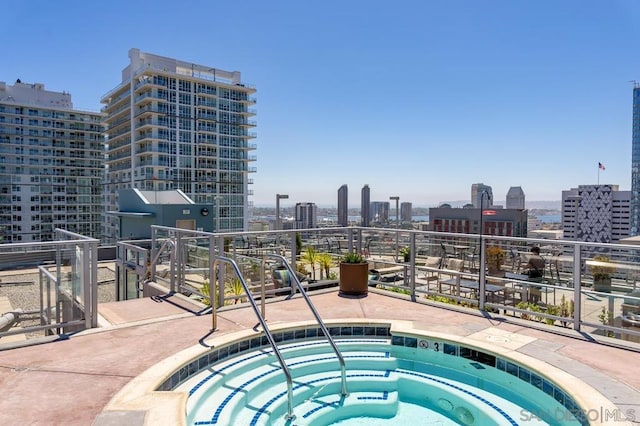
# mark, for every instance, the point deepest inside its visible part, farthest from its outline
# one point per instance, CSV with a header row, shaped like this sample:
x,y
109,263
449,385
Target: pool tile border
x,y
474,355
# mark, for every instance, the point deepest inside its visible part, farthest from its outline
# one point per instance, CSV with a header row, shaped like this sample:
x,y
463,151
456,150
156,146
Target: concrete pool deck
x,y
70,381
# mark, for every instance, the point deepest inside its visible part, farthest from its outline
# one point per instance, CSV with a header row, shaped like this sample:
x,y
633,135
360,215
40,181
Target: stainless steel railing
x,y
294,278
265,328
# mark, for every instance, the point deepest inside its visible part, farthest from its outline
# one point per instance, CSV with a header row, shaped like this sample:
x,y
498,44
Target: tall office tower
x,y
379,212
478,191
306,215
515,198
635,163
343,206
365,207
405,212
178,125
52,165
596,213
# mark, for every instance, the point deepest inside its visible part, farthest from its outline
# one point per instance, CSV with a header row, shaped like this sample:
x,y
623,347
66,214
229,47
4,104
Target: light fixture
x,y
204,211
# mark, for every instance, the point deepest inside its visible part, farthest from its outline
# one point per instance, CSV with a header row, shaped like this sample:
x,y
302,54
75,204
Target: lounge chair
x,y
9,319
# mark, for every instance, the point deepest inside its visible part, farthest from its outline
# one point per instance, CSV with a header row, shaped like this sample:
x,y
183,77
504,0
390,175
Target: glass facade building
x,y
51,166
343,206
177,125
478,191
635,163
365,199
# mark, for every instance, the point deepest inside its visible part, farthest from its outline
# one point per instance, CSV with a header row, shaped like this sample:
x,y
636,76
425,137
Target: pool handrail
x,y
265,328
294,278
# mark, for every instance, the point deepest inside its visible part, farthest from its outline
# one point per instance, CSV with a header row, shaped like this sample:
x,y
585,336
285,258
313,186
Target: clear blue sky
x,y
418,99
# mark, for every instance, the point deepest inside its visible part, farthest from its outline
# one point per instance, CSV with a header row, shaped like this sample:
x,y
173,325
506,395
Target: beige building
x,y
52,165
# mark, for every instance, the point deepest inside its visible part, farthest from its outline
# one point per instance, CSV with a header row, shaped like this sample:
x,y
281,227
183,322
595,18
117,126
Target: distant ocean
x,y
550,218
545,218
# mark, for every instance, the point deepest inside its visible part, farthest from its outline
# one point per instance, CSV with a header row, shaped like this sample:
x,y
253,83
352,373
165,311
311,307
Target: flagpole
x,y
598,174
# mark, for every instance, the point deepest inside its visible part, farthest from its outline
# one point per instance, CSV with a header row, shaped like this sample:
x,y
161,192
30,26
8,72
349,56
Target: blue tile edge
x,y
287,336
479,359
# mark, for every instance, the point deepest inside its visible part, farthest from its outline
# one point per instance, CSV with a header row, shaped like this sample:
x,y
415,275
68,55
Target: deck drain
x,y
498,339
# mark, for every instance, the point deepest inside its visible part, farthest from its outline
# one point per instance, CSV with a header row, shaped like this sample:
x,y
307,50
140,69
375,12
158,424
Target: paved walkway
x,y
69,382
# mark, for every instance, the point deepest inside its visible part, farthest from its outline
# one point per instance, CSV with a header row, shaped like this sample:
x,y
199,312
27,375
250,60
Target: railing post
x,y
93,270
221,270
482,273
293,246
263,296
577,287
212,281
412,266
173,261
153,252
181,261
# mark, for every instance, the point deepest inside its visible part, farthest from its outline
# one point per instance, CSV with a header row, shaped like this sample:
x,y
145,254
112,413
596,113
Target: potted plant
x,y
495,258
354,274
405,252
601,273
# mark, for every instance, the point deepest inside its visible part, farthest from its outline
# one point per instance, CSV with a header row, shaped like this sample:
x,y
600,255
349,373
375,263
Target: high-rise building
x,y
481,195
379,212
635,163
52,165
306,215
365,208
515,198
405,211
596,213
177,125
343,206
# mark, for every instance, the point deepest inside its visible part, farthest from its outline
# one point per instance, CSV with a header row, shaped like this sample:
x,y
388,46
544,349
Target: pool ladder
x,y
267,332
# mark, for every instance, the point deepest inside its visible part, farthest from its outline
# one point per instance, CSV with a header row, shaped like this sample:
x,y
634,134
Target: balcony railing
x,y
469,271
588,287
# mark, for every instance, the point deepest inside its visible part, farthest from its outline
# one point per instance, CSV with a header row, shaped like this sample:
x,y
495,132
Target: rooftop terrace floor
x,y
70,381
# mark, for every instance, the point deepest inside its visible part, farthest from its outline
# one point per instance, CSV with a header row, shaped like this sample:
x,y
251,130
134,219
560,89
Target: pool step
x,y
263,359
244,382
364,386
324,409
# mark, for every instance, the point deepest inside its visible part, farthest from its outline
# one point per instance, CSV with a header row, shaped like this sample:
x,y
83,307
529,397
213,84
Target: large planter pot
x,y
354,278
602,285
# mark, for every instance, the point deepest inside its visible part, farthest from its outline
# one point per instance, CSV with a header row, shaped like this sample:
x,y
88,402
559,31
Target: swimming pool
x,y
395,375
386,382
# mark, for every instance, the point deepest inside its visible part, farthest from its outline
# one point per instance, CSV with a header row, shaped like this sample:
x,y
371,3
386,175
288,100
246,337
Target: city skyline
x,y
418,105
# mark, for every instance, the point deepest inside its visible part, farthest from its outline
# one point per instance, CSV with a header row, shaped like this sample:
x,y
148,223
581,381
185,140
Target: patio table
x,y
470,286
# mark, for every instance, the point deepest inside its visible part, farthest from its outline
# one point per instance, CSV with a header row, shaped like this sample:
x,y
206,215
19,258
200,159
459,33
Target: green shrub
x,y
353,257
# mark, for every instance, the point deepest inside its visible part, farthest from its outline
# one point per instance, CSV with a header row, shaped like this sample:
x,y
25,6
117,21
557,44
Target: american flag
x,y
601,166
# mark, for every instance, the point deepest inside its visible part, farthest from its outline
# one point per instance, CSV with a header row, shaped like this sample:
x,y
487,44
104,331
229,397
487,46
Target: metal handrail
x,y
267,333
318,319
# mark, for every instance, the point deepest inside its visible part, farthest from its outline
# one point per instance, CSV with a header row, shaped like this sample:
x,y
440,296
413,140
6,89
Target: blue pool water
x,y
424,382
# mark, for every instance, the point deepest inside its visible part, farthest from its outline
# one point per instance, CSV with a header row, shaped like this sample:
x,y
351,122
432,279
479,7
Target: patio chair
x,y
426,271
451,264
516,259
446,252
471,256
